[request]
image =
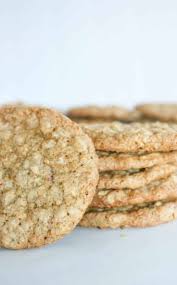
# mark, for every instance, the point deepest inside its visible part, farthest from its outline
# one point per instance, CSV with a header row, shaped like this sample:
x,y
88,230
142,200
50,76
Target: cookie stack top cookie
x,y
158,112
48,176
138,174
134,137
94,114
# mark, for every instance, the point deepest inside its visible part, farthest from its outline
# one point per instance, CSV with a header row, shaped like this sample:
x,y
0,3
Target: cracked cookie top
x,y
48,175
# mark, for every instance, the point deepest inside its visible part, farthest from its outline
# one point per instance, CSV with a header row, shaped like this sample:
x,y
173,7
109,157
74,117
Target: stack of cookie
x,y
158,112
95,114
138,175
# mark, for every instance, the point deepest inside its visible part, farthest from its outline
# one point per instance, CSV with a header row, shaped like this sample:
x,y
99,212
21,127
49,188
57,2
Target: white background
x,y
88,51
65,53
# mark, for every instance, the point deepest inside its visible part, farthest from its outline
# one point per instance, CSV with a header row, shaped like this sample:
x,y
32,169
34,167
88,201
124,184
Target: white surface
x,y
65,53
126,257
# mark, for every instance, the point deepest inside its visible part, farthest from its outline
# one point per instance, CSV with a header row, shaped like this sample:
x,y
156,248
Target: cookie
x,y
109,113
147,215
132,116
159,112
87,121
113,161
48,175
133,138
134,178
158,190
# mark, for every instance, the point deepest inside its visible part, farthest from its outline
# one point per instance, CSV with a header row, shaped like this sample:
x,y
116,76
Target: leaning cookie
x,y
164,189
48,175
133,138
159,112
136,216
110,161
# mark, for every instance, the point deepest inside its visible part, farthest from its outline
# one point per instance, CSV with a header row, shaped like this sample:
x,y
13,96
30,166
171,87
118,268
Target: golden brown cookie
x,y
135,216
48,175
134,178
132,116
133,138
164,189
159,112
97,112
109,161
87,121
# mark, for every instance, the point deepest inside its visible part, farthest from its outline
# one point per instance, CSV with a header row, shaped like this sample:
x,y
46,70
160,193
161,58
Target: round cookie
x,y
133,179
159,112
159,190
48,175
133,138
146,216
130,116
134,116
86,121
97,112
113,161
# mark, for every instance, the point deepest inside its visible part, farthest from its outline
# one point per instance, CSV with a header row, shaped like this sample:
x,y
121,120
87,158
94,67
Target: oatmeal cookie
x,y
146,215
159,112
133,138
134,178
110,161
48,175
162,189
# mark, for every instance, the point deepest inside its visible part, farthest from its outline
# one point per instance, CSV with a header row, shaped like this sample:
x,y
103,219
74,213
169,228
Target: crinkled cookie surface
x,y
134,137
48,175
